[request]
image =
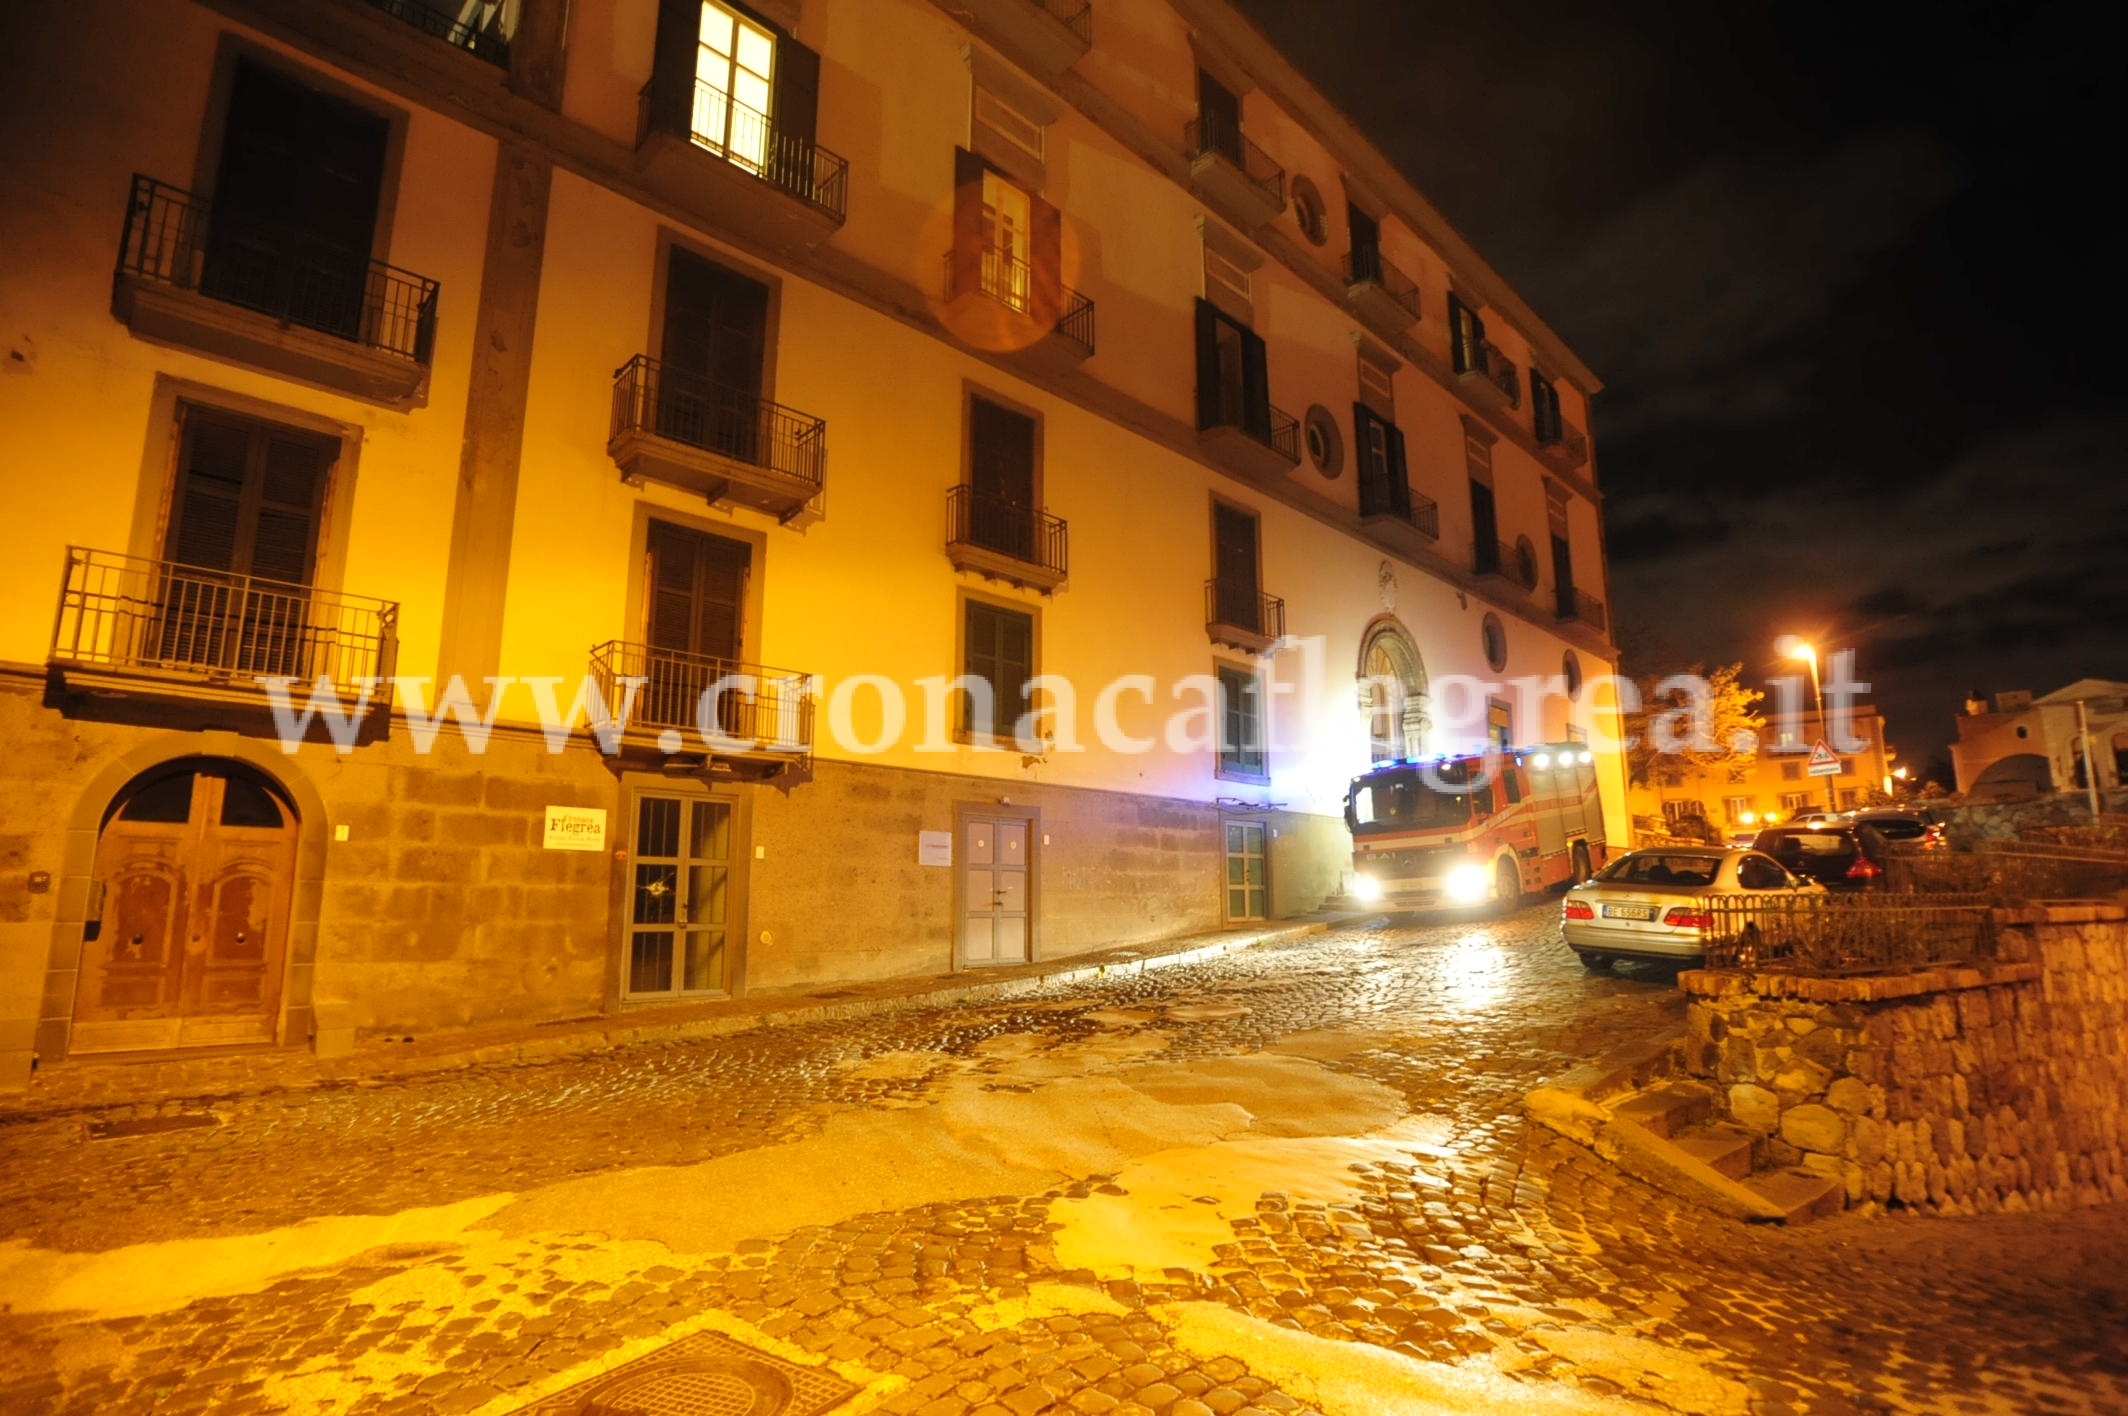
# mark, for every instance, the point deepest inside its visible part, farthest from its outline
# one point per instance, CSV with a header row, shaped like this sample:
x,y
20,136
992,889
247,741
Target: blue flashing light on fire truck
x,y
1456,832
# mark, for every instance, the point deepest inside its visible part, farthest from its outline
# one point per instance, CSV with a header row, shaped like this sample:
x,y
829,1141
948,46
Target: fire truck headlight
x,y
1367,888
1468,883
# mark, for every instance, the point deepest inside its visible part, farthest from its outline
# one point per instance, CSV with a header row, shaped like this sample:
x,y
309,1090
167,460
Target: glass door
x,y
680,898
1247,880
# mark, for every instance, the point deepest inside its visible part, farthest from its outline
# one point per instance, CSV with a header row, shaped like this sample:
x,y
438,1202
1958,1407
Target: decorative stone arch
x,y
1393,695
55,1022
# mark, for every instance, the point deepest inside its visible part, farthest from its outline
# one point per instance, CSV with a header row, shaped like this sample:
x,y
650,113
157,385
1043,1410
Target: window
x,y
1850,798
1525,563
1689,809
1308,211
1001,469
1233,379
734,73
998,650
694,625
1499,722
1793,802
1741,810
1466,337
1366,244
1791,771
1241,735
1511,780
1219,118
713,349
1246,889
1544,408
1385,485
1484,528
1570,671
1847,766
1492,638
249,496
1007,242
1237,596
1326,449
1563,576
1757,872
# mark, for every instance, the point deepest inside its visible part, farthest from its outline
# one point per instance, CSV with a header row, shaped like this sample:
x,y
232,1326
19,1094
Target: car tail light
x,y
1864,869
1576,909
1685,917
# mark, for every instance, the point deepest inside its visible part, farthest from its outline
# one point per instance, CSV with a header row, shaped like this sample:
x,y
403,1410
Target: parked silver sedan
x,y
1652,904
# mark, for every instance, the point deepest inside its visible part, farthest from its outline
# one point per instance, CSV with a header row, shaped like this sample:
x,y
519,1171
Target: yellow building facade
x,y
856,357
1776,785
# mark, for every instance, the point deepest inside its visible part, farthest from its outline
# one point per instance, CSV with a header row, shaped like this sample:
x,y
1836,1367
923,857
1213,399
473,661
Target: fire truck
x,y
1454,832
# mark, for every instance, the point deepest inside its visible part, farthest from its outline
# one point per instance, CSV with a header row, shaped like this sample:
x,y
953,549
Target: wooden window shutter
x,y
249,498
291,491
797,95
1016,665
1207,364
1399,474
968,172
1046,247
209,505
672,67
1255,386
672,589
1234,537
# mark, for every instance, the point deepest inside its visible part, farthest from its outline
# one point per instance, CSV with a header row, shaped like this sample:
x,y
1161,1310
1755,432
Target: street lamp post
x,y
1809,654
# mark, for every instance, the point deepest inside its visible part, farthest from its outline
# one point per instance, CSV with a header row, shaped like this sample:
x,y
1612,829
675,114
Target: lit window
x,y
1008,275
734,61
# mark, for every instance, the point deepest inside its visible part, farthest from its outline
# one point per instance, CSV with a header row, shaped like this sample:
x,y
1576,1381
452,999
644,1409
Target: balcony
x,y
996,302
1579,608
774,186
1380,292
1263,454
159,629
1563,445
1491,379
486,41
1046,37
746,720
1504,562
719,443
271,297
1241,617
1410,522
1233,174
1000,539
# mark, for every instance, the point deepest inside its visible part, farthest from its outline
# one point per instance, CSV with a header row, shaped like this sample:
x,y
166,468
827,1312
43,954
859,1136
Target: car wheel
x,y
1595,963
1507,886
1581,862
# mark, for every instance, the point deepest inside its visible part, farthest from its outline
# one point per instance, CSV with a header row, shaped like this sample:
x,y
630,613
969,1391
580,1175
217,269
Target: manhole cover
x,y
146,1126
704,1375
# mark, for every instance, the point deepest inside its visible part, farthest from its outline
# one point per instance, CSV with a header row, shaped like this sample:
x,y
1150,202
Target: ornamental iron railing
x,y
994,523
732,707
651,397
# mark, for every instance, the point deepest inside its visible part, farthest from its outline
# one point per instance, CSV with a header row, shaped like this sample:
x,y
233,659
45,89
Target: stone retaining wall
x,y
1959,1090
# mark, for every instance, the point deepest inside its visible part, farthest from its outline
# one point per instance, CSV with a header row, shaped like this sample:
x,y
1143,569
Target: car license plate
x,y
1629,911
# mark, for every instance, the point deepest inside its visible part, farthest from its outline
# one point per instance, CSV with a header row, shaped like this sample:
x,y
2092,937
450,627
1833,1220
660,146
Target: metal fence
x,y
1207,135
1240,605
2010,871
649,397
1025,533
763,709
275,270
1011,282
1831,934
1364,266
125,613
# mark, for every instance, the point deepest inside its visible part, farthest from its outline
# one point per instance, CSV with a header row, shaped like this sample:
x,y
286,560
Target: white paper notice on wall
x,y
934,848
576,828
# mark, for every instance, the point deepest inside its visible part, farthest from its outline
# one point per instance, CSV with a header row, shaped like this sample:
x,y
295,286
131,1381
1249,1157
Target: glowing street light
x,y
1792,647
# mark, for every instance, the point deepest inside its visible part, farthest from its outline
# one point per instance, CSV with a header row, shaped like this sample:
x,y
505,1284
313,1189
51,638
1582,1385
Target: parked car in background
x,y
1802,818
1832,853
1902,826
1653,903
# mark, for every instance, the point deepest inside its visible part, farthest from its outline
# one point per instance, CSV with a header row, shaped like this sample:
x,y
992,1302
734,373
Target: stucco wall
x,y
1954,1090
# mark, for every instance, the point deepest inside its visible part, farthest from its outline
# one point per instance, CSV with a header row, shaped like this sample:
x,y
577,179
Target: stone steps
x,y
1667,1110
1728,1149
1801,1195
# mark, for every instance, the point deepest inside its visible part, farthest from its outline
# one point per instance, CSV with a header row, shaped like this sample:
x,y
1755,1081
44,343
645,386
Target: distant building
x,y
1776,786
2023,746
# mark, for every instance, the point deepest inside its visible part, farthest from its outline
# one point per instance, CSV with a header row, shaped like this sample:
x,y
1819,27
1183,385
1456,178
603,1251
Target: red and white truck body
x,y
1455,832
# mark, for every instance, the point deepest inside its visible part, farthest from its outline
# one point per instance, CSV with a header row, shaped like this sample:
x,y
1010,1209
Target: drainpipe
x,y
2083,733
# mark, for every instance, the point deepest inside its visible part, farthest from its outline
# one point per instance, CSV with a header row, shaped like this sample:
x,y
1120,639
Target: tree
x,y
1694,721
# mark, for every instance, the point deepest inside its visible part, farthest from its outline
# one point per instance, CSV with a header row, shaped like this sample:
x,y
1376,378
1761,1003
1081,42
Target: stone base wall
x,y
1955,1090
2010,820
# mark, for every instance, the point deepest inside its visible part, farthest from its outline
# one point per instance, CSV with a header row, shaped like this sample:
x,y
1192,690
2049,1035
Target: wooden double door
x,y
196,870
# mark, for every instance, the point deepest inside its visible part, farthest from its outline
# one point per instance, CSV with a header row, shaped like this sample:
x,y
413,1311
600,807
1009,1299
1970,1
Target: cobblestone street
x,y
1293,1178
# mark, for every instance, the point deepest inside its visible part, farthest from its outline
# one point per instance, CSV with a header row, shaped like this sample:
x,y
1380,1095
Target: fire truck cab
x,y
1456,832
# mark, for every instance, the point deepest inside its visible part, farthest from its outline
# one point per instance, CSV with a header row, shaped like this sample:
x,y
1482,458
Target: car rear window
x,y
1653,868
1812,843
1898,830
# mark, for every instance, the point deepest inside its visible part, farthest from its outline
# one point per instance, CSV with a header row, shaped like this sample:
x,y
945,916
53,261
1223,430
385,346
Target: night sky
x,y
1853,280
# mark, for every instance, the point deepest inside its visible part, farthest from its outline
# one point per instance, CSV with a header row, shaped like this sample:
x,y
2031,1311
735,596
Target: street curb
x,y
375,1064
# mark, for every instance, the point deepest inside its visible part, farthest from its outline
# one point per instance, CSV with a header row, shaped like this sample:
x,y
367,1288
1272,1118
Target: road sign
x,y
1824,762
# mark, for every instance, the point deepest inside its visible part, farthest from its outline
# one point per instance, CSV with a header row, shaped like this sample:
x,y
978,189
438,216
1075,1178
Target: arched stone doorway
x,y
1392,680
187,946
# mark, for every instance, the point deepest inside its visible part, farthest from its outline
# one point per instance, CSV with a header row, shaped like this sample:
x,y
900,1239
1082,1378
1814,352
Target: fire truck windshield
x,y
1401,800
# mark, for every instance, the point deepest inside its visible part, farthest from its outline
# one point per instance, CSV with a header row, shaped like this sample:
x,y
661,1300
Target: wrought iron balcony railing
x,y
1075,15
275,270
1237,604
1507,562
1380,498
751,141
124,614
1563,440
484,41
1371,267
1024,533
650,398
1582,608
1280,431
752,708
1501,371
1011,282
1205,136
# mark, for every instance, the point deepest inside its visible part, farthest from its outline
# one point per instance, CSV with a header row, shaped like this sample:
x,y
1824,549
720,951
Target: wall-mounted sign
x,y
934,848
576,828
